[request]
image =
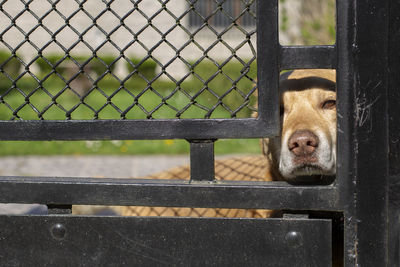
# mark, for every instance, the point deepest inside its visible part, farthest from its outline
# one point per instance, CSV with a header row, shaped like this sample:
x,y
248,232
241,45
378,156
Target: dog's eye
x,y
329,104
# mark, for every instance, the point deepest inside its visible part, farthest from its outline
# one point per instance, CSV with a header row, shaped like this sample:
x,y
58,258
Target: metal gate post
x,y
362,129
394,130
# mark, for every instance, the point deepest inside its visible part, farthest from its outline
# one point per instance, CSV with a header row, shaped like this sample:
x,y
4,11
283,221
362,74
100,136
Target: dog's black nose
x,y
303,143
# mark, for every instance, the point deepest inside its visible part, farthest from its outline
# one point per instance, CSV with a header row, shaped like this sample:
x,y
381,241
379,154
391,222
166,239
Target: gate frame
x,y
364,56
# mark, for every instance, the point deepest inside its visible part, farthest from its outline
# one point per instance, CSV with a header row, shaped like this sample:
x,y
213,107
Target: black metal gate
x,y
359,210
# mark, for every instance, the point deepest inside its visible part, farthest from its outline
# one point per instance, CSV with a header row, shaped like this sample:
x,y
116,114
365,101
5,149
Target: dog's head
x,y
306,149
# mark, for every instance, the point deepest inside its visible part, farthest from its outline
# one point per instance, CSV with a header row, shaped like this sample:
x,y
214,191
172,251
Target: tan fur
x,y
323,73
303,110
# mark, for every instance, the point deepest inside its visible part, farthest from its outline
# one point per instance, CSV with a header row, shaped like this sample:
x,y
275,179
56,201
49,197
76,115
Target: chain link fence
x,y
125,59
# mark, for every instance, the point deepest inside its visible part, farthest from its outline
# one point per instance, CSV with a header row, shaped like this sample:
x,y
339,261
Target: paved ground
x,y
88,166
82,166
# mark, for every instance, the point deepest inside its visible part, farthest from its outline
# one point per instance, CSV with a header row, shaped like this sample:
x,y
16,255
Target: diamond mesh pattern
x,y
125,59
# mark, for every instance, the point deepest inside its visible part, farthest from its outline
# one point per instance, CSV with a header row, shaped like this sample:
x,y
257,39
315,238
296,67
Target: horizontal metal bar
x,y
143,241
171,193
136,129
308,57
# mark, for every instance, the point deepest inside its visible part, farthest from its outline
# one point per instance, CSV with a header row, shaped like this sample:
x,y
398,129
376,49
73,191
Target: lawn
x,y
126,147
210,91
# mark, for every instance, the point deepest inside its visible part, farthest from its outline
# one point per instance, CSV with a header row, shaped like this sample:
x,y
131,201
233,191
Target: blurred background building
x,y
140,28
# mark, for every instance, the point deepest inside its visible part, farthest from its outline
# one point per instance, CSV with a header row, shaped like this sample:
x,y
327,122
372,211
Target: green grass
x,y
128,147
108,93
208,93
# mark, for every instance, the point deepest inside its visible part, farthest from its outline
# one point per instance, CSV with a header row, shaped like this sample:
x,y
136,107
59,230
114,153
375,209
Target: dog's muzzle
x,y
303,145
306,157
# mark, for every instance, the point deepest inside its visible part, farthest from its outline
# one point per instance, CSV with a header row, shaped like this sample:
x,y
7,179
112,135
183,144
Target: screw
x,y
58,231
294,239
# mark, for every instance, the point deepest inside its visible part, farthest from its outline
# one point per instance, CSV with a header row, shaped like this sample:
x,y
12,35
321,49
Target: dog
x,y
305,151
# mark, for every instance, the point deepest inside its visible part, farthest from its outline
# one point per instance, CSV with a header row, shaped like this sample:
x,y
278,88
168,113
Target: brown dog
x,y
306,148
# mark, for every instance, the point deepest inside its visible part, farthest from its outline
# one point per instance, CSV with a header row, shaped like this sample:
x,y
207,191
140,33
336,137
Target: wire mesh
x,y
125,59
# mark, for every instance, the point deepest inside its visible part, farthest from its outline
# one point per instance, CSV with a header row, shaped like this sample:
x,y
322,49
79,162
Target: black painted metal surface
x,y
362,129
394,134
229,194
267,123
308,57
366,56
110,241
394,92
136,129
202,160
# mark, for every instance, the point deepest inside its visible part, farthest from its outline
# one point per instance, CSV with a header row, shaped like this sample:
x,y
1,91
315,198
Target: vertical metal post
x,y
371,120
268,50
394,86
202,160
345,35
394,133
362,129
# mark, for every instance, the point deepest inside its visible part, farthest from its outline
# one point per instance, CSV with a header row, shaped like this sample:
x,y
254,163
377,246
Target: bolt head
x,y
294,239
58,231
